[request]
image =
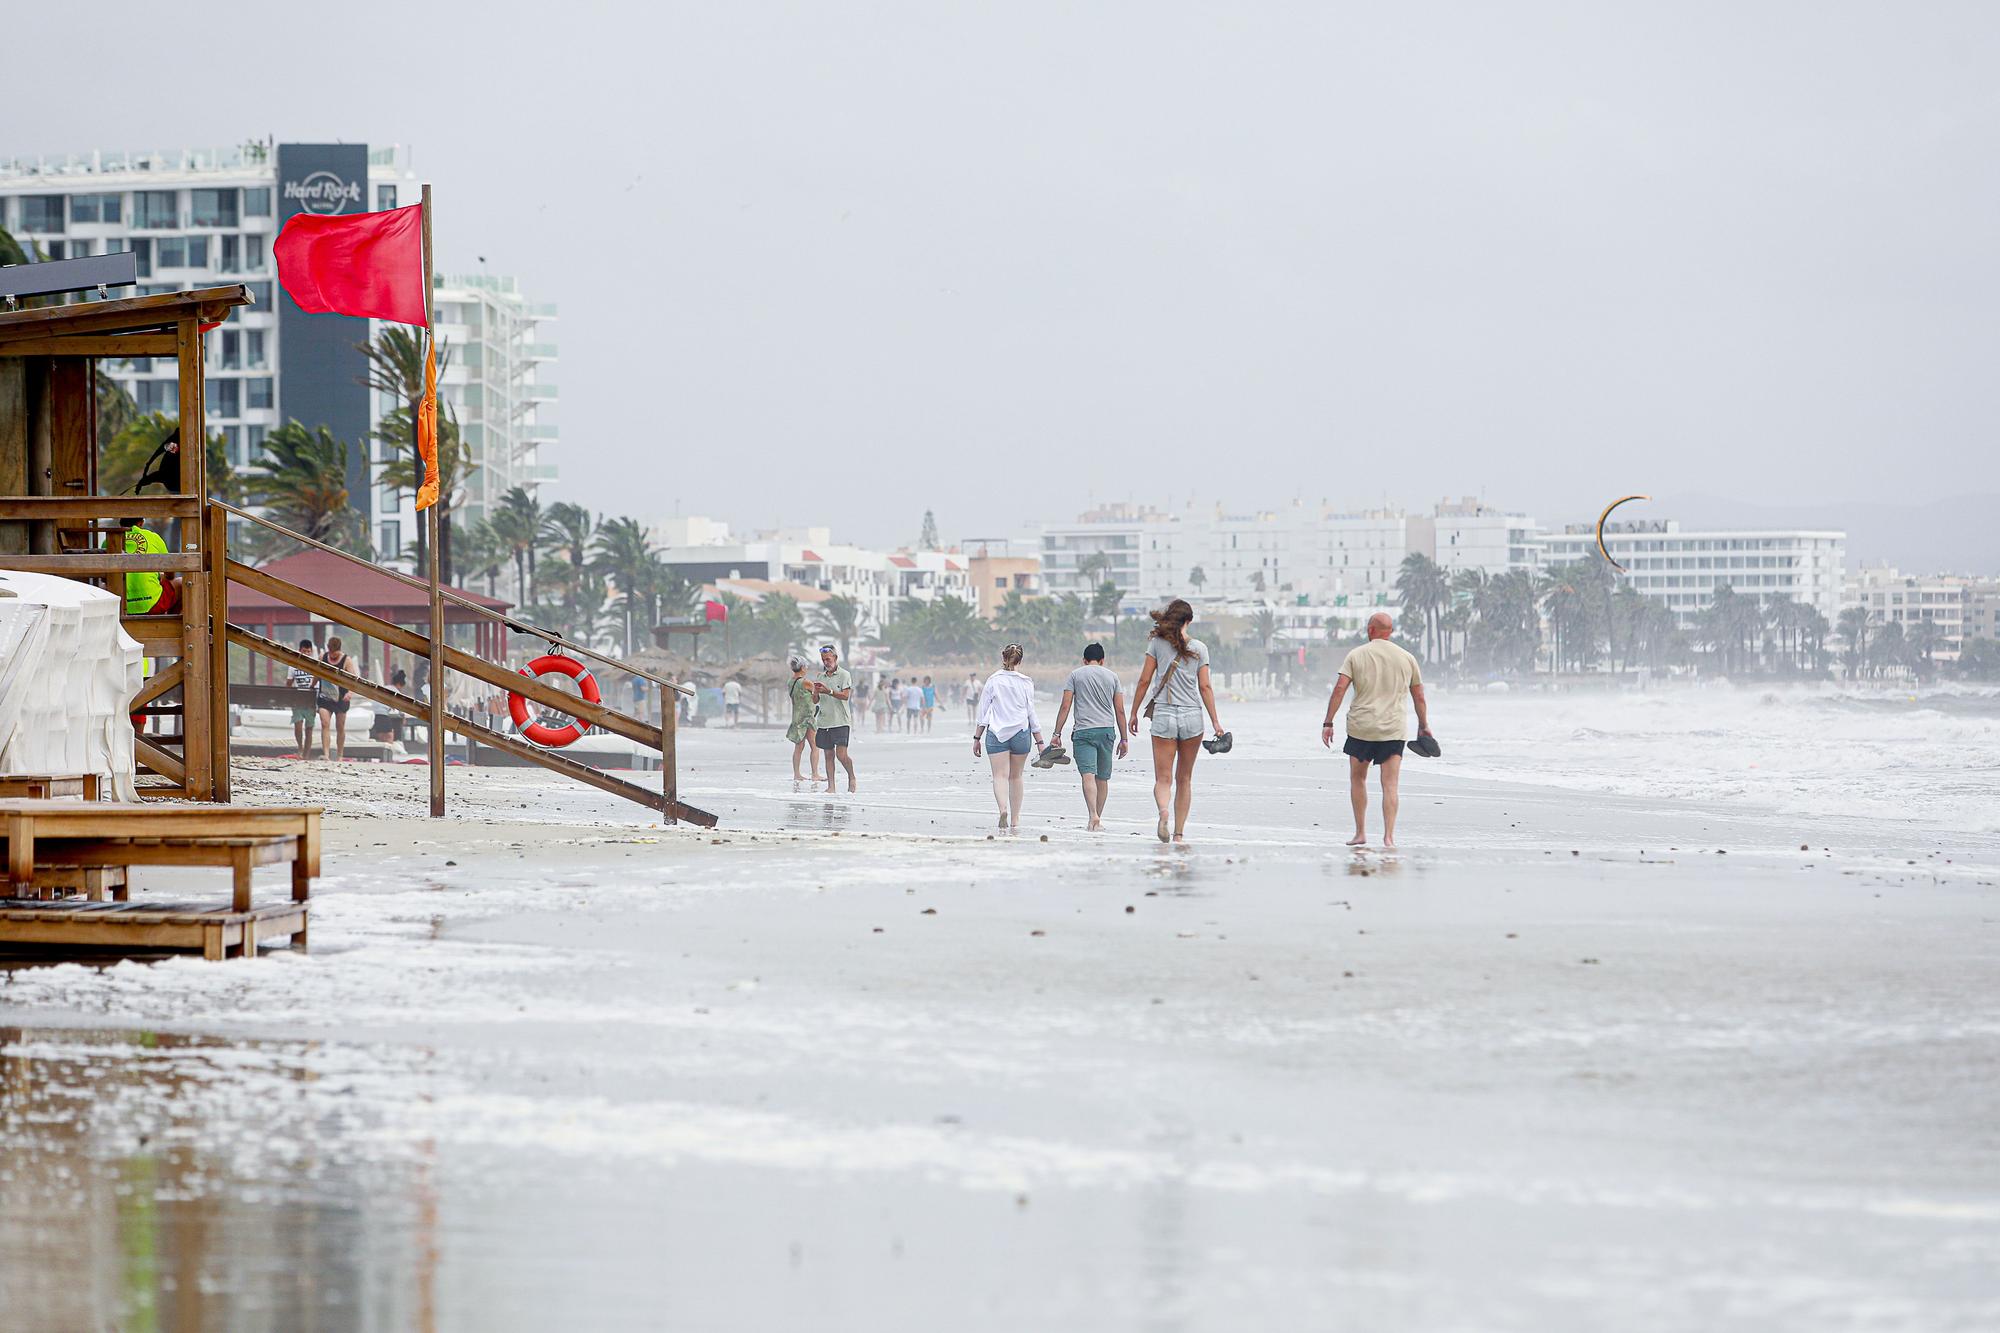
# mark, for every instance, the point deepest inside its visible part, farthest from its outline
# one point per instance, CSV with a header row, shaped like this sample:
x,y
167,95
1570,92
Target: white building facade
x,y
499,383
1894,598
1682,569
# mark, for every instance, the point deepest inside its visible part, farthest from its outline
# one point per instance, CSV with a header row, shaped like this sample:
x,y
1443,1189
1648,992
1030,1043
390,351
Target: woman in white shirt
x,y
1006,721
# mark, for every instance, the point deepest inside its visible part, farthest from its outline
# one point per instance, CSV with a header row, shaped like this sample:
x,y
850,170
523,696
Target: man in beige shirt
x,y
1380,673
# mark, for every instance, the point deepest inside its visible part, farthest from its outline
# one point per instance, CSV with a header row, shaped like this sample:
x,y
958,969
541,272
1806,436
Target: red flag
x,y
427,428
370,265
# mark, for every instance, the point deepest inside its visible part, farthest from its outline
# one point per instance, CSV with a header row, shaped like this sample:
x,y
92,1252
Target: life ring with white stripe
x,y
541,733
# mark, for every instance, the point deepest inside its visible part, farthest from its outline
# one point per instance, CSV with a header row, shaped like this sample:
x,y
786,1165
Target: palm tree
x,y
115,408
122,459
10,250
841,619
1924,637
1853,626
569,527
480,554
781,625
1425,588
622,550
1197,577
1091,569
1104,602
519,521
304,486
395,368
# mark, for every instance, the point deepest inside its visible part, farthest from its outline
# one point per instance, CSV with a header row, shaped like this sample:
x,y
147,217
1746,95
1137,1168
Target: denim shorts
x,y
1094,748
1177,722
1021,742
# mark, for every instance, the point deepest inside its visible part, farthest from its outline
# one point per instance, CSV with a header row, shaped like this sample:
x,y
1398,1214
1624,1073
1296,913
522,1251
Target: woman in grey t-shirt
x,y
1174,682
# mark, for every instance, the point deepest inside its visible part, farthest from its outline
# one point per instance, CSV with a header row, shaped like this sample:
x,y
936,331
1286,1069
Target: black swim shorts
x,y
831,738
1373,752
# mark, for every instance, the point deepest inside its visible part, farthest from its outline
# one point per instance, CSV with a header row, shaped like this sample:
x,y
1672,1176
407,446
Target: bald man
x,y
1380,673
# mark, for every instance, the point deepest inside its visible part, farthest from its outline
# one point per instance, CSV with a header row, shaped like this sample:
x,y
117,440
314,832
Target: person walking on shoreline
x,y
1099,700
1174,690
332,704
805,712
1006,721
833,688
1380,674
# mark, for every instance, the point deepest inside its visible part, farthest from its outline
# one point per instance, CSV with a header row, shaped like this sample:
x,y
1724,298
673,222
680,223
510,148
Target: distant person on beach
x,y
880,706
1381,674
913,706
972,697
805,714
930,703
832,689
895,702
304,712
1099,700
1006,721
732,699
1174,691
388,725
332,703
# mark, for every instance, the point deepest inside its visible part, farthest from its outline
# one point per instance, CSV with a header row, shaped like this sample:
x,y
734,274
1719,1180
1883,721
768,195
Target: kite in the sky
x,y
1600,527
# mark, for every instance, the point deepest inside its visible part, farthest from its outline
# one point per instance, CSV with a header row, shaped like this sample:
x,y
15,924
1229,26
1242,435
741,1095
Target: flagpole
x,y
430,517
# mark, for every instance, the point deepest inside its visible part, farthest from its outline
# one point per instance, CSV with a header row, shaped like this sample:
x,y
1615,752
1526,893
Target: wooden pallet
x,y
218,932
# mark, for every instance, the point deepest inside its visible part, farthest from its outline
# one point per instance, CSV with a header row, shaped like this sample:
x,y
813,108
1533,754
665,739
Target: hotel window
x,y
253,441
229,251
153,210
253,254
253,348
157,395
385,198
197,252
392,537
42,212
231,357
232,444
213,208
225,398
95,207
260,295
257,202
260,391
171,251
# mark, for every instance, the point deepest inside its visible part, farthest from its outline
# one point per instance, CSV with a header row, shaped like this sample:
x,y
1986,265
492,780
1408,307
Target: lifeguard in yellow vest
x,y
146,591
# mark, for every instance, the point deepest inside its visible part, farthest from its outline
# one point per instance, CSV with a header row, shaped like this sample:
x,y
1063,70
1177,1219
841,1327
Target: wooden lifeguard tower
x,y
55,520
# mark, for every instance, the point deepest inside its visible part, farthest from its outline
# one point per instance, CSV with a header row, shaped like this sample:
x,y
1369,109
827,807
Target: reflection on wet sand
x,y
119,1210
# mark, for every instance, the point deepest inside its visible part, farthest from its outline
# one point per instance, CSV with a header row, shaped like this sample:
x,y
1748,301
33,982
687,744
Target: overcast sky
x,y
838,263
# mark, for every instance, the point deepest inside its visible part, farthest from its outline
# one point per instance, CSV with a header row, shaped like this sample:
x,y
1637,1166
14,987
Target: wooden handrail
x,y
452,595
99,562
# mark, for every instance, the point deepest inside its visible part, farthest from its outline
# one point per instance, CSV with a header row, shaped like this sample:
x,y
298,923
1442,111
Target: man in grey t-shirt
x,y
1099,700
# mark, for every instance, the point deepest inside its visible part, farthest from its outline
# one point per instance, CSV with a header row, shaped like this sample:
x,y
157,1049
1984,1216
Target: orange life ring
x,y
553,737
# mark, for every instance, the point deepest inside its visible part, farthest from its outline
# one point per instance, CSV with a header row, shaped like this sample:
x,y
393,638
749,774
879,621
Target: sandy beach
x,y
1686,1024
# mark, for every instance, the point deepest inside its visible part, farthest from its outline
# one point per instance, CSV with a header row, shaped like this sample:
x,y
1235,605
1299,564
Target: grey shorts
x,y
1177,722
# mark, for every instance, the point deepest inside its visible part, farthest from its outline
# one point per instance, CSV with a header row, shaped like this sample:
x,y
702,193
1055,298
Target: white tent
x,y
68,671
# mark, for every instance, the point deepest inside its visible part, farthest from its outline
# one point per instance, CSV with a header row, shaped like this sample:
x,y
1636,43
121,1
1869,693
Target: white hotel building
x,y
1684,568
207,217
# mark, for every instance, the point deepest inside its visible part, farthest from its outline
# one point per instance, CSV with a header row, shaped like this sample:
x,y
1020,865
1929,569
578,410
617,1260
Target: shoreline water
x,y
606,1074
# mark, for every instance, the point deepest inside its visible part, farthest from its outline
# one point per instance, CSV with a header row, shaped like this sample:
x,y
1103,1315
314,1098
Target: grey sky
x,y
827,262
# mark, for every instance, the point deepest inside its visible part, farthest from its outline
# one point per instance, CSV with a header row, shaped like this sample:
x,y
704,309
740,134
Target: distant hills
x,y
1960,535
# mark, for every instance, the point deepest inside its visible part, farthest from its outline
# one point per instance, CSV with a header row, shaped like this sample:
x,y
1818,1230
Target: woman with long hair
x,y
1174,691
1006,721
805,714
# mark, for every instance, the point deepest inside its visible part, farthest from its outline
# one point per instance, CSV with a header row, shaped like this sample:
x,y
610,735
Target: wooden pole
x,y
217,546
431,531
670,785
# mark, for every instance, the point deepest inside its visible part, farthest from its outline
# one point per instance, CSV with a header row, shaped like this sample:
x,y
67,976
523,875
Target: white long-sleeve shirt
x,y
1007,705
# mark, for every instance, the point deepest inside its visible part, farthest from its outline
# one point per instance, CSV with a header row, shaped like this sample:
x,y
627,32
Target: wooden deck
x,y
91,846
48,786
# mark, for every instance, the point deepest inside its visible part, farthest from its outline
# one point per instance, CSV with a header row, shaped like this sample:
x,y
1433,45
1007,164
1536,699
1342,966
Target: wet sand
x,y
1570,1060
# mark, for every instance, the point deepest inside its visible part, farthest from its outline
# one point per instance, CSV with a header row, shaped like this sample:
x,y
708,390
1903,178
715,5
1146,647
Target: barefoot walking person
x,y
303,713
805,709
1174,691
1099,700
833,688
1006,721
332,703
1380,674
